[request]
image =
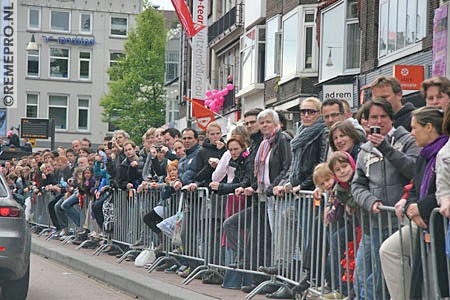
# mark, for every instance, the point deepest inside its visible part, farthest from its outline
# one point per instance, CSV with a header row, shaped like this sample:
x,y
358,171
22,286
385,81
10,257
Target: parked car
x,y
15,245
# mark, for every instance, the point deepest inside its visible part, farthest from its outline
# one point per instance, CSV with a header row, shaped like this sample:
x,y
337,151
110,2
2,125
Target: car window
x,y
3,189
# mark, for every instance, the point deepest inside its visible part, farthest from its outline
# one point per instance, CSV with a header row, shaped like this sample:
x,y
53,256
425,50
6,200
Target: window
x,y
273,46
83,114
340,40
290,38
172,59
85,65
299,46
33,63
34,18
60,20
308,39
402,24
59,63
252,51
32,105
57,110
85,23
119,26
114,57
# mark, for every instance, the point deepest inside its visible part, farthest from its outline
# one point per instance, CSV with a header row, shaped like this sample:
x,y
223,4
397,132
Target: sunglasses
x,y
308,111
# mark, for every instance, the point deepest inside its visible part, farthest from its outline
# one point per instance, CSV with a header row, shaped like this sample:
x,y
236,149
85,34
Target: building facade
x,y
65,79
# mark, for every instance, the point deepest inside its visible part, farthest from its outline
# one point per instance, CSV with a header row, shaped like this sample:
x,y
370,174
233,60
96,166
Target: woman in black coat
x,y
427,129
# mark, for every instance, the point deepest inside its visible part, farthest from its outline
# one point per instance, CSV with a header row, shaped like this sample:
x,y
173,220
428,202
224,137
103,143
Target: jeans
x,y
338,246
52,211
69,207
234,279
61,214
248,234
368,265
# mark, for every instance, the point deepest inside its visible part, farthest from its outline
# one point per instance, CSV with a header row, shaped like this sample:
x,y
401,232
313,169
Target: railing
x,y
232,18
358,255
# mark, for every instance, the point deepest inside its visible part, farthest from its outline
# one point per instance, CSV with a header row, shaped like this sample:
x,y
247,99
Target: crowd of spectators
x,y
361,163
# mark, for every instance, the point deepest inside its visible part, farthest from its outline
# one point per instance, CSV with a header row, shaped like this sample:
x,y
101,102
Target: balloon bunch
x,y
214,99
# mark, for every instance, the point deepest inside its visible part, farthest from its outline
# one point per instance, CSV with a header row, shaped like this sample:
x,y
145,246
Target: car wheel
x,y
16,289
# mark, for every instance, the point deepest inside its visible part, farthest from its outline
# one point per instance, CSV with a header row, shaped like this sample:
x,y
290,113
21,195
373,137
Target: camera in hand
x,y
375,129
110,145
158,148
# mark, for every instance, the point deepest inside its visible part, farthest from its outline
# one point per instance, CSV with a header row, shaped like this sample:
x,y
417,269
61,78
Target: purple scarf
x,y
429,152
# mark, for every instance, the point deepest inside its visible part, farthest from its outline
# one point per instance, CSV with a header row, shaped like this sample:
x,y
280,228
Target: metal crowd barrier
x,y
286,235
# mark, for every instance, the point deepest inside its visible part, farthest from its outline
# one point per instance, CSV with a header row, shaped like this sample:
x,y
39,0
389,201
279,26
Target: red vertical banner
x,y
185,17
203,115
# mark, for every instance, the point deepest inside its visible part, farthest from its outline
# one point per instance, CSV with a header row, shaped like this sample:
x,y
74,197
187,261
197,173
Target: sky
x,y
164,4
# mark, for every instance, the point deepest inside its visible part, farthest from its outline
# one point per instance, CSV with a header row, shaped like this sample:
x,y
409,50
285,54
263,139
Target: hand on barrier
x,y
445,207
129,186
278,190
296,190
239,191
317,193
376,207
192,187
249,191
177,185
399,208
414,215
214,185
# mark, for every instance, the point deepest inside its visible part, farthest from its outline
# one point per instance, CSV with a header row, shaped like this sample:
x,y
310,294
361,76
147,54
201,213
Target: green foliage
x,y
135,100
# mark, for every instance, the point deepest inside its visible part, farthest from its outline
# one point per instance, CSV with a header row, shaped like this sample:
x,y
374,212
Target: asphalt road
x,y
51,281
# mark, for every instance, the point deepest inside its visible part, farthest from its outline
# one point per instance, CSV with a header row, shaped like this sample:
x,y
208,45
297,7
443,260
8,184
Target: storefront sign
x,y
410,76
70,40
339,91
440,29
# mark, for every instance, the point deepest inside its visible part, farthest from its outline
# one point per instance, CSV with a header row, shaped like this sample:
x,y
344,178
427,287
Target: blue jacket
x,y
187,166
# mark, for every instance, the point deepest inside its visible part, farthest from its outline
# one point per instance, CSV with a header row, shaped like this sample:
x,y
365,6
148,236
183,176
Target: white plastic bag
x,y
168,225
145,257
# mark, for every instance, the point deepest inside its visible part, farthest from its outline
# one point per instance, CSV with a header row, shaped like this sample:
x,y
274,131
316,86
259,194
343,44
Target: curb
x,y
135,284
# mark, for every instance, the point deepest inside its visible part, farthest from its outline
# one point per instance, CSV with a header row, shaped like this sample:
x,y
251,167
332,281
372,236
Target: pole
x,y
52,134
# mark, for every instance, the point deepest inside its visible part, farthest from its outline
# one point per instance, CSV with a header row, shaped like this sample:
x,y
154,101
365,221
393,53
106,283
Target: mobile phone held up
x,y
375,129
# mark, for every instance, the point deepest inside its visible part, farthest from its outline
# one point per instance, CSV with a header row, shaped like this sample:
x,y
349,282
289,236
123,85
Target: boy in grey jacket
x,y
384,165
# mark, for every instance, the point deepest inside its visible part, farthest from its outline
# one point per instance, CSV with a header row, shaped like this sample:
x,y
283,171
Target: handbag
x,y
145,257
176,238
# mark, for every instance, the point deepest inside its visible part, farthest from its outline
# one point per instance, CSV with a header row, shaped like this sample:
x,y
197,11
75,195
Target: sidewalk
x,y
130,279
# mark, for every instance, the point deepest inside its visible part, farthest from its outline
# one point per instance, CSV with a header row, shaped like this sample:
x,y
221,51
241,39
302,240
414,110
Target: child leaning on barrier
x,y
343,166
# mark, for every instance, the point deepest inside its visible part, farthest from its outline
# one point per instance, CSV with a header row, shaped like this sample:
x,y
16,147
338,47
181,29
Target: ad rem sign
x,y
9,52
339,91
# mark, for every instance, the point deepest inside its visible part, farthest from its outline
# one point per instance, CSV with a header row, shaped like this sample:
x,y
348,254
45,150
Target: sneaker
x,y
172,269
164,266
185,273
181,269
333,295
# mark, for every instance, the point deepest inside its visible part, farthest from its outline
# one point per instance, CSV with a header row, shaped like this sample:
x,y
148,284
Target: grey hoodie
x,y
381,172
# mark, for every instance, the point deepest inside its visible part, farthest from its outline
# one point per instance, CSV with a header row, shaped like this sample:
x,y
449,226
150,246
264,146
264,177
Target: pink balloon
x,y
224,92
214,92
221,99
208,102
230,86
208,93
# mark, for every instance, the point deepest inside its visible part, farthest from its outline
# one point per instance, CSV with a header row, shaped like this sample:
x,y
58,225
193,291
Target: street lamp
x,y
32,45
